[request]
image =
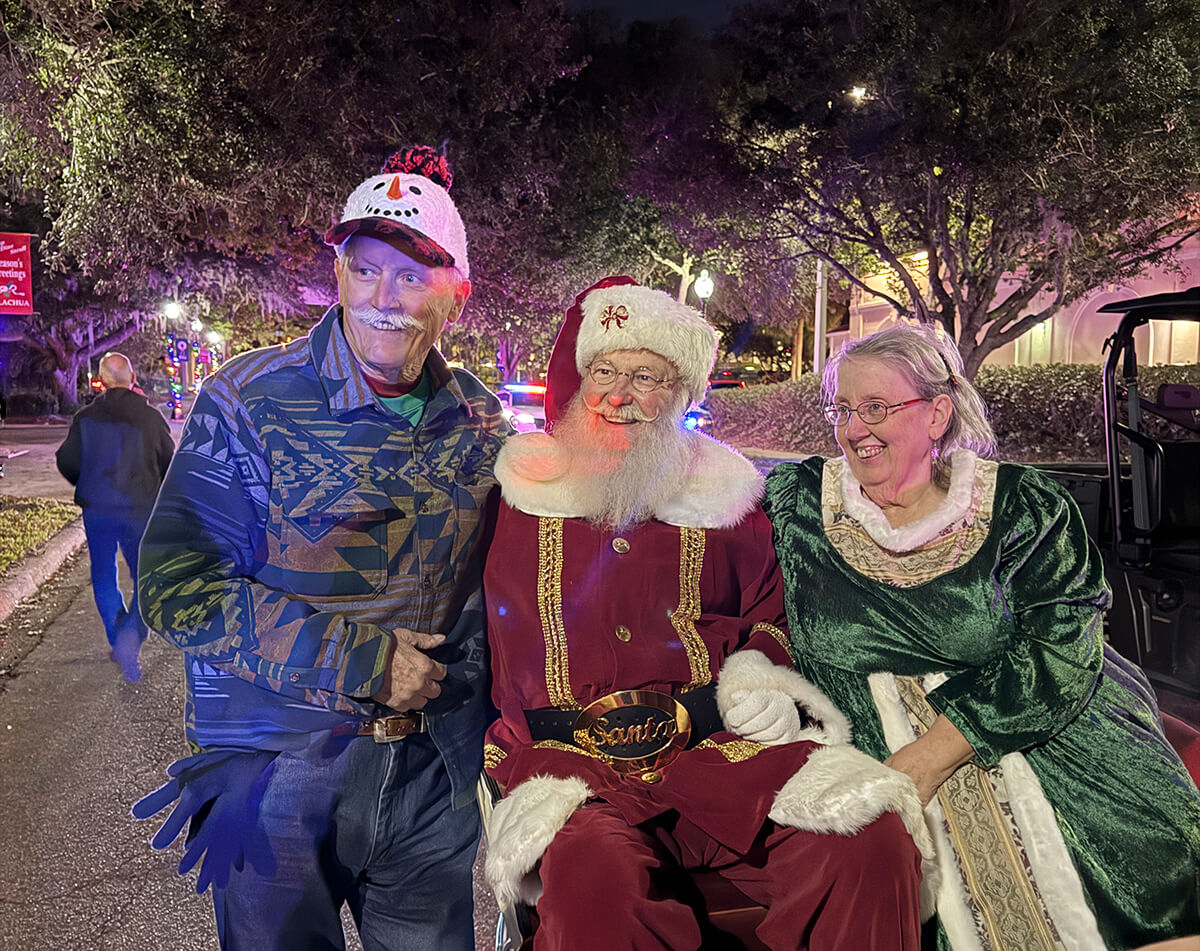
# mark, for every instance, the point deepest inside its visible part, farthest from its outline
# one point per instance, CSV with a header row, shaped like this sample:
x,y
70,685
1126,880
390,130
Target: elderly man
x,y
650,718
115,454
316,552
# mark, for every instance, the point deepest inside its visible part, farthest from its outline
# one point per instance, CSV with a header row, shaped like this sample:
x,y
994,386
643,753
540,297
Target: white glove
x,y
765,716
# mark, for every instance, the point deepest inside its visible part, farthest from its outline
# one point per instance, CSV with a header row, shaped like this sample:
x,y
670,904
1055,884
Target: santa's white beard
x,y
620,475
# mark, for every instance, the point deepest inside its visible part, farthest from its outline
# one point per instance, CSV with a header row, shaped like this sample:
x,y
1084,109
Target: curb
x,y
32,571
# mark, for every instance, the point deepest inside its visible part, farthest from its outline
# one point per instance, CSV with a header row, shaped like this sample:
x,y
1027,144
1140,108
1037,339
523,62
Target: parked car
x,y
698,418
520,420
524,394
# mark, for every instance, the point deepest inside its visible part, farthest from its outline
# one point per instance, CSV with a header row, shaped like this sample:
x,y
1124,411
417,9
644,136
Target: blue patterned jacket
x,y
299,522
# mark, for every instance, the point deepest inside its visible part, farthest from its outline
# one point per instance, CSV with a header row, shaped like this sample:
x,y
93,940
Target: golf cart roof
x,y
1184,305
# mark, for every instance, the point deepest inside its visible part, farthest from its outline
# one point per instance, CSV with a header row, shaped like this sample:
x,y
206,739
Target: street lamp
x,y
704,289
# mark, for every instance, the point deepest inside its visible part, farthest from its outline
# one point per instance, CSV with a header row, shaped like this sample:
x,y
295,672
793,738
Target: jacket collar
x,y
343,381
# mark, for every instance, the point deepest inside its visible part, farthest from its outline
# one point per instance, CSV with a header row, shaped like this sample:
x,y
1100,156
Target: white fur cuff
x,y
843,790
751,670
522,826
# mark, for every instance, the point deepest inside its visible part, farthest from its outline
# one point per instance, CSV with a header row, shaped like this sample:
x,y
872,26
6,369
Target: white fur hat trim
x,y
632,317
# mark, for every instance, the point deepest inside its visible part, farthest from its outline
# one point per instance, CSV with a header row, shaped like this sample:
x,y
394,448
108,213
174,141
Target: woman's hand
x,y
932,758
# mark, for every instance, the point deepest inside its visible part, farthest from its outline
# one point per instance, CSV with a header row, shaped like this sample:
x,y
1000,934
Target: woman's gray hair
x,y
932,363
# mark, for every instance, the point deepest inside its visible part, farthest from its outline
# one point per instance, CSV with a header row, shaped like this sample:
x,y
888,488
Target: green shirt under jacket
x,y
1017,630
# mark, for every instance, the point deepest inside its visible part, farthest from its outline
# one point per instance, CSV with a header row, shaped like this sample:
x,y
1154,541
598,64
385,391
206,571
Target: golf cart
x,y
1142,505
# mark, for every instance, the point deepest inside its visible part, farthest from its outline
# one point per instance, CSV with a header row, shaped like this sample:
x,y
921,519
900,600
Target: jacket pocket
x,y
333,554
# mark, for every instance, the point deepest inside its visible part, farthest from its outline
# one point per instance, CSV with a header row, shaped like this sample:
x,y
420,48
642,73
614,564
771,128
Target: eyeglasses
x,y
641,379
869,411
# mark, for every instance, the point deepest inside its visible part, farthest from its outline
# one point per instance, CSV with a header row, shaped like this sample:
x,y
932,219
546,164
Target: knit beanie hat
x,y
409,206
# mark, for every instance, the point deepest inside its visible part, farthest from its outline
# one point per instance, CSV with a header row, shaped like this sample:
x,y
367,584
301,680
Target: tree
x,y
161,137
999,159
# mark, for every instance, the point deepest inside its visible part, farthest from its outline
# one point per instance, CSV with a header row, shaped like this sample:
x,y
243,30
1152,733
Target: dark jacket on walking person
x,y
116,455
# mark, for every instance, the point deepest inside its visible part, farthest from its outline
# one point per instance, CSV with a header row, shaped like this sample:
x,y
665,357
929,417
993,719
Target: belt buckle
x,y
634,730
393,728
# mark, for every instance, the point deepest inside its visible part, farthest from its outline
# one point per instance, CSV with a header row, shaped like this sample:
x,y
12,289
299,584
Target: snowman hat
x,y
409,205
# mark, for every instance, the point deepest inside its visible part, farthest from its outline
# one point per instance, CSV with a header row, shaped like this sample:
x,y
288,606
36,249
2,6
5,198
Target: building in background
x,y
1076,333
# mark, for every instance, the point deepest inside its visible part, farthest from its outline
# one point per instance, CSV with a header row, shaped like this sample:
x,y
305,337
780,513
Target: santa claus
x,y
650,719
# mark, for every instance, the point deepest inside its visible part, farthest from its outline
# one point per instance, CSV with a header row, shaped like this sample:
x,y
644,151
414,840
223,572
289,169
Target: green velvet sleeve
x,y
1049,593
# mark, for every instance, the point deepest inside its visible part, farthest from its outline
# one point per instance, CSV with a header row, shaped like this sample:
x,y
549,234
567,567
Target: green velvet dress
x,y
1013,629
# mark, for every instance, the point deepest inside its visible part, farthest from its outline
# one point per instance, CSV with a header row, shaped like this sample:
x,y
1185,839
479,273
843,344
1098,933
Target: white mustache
x,y
628,413
378,319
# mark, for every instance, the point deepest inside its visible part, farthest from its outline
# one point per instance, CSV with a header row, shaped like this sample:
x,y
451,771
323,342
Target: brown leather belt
x,y
390,729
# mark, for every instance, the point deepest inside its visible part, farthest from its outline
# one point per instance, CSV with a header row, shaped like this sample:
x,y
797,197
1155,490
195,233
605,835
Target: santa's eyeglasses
x,y
640,379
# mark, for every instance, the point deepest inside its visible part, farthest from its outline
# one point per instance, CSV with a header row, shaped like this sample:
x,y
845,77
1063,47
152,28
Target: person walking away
x,y
116,454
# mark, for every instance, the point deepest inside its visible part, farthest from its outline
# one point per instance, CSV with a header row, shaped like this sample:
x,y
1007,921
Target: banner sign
x,y
16,275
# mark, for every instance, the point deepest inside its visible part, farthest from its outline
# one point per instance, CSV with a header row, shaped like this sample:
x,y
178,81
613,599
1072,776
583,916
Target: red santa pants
x,y
607,885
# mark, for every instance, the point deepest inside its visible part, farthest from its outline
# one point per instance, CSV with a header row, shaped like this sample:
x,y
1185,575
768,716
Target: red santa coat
x,y
576,612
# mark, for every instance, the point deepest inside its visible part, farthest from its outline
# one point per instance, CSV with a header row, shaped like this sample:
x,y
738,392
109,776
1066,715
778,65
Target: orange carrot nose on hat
x,y
409,206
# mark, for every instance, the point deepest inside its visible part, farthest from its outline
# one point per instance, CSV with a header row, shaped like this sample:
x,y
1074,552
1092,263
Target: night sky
x,y
703,15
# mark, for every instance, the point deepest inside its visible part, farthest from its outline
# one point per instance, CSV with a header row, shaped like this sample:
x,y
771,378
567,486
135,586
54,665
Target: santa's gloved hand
x,y
218,795
765,716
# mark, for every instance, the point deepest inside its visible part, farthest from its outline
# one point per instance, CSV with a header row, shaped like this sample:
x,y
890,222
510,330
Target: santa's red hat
x,y
617,313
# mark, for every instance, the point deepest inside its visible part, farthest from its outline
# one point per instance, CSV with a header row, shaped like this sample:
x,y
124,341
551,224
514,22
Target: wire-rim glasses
x,y
640,379
869,411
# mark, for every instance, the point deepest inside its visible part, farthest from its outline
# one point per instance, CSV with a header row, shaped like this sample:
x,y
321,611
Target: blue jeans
x,y
105,536
366,823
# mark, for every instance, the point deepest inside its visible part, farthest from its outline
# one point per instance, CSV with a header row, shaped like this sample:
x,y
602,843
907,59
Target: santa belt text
x,y
632,730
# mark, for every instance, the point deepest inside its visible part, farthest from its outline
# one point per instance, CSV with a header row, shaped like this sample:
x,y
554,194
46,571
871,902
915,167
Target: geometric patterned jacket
x,y
300,520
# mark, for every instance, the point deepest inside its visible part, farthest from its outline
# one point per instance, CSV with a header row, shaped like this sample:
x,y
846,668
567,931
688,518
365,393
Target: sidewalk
x,y
27,453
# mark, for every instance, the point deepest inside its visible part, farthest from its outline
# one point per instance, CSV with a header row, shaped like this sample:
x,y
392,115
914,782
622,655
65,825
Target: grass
x,y
27,523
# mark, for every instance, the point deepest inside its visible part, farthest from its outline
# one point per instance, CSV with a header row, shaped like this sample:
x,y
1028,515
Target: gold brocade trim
x,y
549,594
492,755
774,632
736,751
567,748
691,561
957,543
1001,894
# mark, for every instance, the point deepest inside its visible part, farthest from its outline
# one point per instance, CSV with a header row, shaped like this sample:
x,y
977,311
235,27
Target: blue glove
x,y
218,795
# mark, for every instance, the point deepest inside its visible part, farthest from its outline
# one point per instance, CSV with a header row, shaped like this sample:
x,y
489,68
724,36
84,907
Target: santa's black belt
x,y
632,730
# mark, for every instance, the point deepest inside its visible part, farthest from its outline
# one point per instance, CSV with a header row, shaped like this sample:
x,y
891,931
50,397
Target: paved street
x,y
78,746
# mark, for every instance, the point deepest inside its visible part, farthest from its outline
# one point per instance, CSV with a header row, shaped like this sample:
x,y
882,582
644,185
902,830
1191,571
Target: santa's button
x,y
652,777
620,546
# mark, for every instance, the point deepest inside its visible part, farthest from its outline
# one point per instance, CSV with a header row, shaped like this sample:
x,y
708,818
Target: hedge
x,y
1046,413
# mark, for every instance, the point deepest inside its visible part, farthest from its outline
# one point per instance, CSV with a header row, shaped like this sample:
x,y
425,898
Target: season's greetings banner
x,y
16,277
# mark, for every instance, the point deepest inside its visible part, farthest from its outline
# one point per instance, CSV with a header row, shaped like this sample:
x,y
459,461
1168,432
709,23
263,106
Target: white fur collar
x,y
908,537
722,485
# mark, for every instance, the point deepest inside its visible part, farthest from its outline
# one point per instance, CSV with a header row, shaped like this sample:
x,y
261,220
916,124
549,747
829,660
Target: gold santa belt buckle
x,y
634,730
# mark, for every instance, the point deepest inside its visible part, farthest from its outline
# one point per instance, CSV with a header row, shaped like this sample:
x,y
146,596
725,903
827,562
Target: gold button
x,y
652,777
620,546
623,633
